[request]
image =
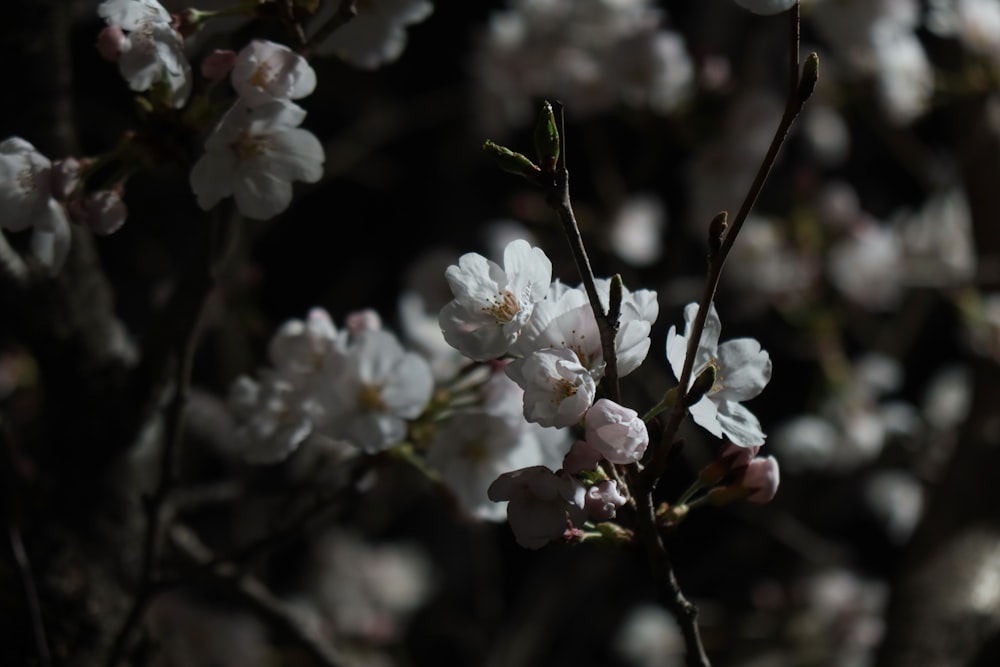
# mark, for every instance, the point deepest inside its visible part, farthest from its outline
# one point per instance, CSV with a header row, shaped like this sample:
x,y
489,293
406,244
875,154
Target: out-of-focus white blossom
x,y
867,267
590,54
273,421
649,637
766,6
254,155
897,499
367,591
152,50
742,370
473,448
974,23
27,202
637,230
376,36
948,398
378,387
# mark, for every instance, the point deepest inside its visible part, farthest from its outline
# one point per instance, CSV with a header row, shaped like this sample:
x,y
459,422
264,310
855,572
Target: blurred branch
x,y
346,11
257,595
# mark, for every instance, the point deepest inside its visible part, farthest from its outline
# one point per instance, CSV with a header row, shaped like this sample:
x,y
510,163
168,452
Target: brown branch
x,y
558,199
800,88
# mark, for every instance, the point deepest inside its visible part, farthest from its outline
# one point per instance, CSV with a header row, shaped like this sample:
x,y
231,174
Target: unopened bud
x,y
217,65
810,75
547,139
110,42
716,233
701,385
511,162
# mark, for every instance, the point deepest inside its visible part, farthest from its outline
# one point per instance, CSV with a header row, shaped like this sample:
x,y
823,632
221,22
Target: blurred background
x,y
868,270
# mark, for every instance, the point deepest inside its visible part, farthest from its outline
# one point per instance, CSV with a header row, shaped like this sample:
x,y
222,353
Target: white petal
x,y
745,369
740,425
295,155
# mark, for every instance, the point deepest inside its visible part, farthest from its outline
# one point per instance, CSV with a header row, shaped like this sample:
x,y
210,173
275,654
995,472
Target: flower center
x,y
370,399
563,389
475,450
248,146
504,307
262,76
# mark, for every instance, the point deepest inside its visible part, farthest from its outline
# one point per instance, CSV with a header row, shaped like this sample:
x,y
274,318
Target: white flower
x,y
566,320
265,71
376,35
473,448
377,388
603,500
557,389
272,421
26,201
152,49
254,155
766,6
542,504
617,432
492,304
304,347
742,370
867,267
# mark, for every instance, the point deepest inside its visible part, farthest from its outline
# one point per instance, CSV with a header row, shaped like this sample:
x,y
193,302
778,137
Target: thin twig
x,y
219,244
345,13
800,87
20,555
558,199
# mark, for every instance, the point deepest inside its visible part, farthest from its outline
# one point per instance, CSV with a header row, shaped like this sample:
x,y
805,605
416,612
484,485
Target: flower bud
x,y
810,75
602,500
547,139
105,211
760,480
716,233
110,43
217,65
617,432
511,162
701,385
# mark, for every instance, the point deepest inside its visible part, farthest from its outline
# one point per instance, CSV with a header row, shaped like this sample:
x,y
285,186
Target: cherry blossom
x,y
376,35
378,387
254,154
491,303
151,51
557,389
265,71
742,370
542,504
27,202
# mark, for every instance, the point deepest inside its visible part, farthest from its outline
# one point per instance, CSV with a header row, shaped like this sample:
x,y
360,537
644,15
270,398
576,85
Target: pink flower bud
x,y
363,320
761,480
580,457
218,64
617,432
105,210
602,500
110,43
65,177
